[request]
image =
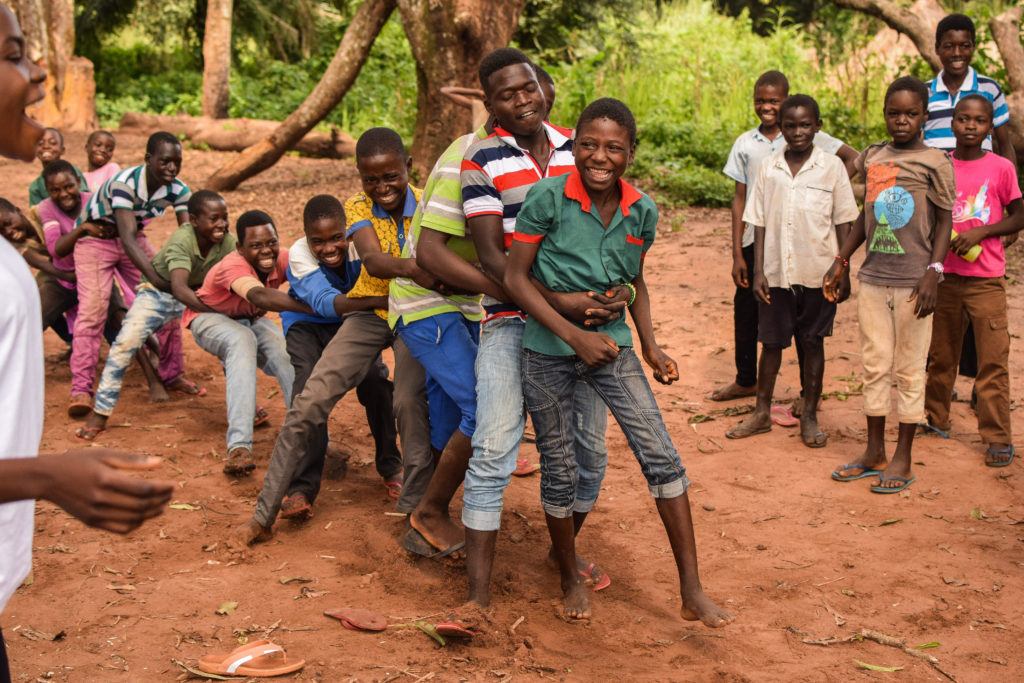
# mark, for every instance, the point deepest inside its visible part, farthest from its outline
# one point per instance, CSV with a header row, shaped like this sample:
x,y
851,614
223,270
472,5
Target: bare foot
x,y
94,424
575,601
185,386
732,391
158,394
810,433
757,423
250,533
439,530
590,572
697,606
868,461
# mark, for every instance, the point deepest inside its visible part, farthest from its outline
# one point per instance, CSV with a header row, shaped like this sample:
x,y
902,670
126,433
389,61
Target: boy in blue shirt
x,y
321,271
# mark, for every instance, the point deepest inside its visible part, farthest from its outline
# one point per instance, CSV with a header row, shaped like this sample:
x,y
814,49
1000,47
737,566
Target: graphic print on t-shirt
x,y
893,207
973,207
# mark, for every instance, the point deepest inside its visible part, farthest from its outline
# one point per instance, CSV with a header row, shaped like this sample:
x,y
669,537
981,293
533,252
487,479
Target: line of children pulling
x,y
502,289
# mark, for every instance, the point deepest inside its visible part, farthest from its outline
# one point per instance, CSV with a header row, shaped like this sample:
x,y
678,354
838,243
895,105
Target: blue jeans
x,y
151,310
446,346
549,386
243,346
501,418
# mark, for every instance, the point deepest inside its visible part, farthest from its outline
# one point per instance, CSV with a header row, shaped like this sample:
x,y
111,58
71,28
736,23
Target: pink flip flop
x,y
782,416
356,619
599,583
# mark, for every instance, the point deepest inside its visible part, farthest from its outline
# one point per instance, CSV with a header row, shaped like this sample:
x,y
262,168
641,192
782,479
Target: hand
x,y
665,369
595,348
926,291
844,288
87,484
761,290
967,240
589,308
1009,240
96,230
425,279
831,284
740,275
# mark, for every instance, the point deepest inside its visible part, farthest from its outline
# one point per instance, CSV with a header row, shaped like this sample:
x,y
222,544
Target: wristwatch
x,y
937,267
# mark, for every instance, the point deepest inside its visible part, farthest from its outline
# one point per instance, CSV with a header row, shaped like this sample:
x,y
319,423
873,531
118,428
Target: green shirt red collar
x,y
575,190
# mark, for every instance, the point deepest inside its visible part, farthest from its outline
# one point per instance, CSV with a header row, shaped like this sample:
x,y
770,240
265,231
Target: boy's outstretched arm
x,y
1011,224
126,231
43,264
434,256
740,276
87,484
665,369
269,299
489,238
185,294
593,348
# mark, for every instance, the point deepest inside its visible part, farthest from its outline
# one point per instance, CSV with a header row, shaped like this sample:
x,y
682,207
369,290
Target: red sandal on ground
x,y
258,659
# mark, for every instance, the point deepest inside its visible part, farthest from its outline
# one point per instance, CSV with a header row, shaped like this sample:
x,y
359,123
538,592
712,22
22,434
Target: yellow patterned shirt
x,y
362,212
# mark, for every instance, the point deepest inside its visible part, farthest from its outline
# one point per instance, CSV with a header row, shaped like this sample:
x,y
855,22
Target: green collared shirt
x,y
578,253
181,252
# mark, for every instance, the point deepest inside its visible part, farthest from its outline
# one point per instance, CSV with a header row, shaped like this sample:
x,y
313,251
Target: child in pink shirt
x,y
99,148
988,207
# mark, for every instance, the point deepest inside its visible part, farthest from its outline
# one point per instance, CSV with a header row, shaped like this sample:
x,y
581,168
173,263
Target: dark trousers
x,y
55,300
5,669
305,343
969,353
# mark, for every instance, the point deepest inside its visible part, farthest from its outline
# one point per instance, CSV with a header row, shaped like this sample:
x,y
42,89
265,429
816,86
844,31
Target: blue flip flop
x,y
904,483
1009,450
868,472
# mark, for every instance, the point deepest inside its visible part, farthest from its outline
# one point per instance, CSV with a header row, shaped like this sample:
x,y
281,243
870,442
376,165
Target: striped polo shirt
x,y
127,190
938,130
496,175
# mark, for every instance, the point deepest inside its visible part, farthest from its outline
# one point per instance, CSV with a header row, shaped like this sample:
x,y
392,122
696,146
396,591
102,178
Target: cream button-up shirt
x,y
799,214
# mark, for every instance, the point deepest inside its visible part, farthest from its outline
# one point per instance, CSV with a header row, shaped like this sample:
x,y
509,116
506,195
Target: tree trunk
x,y
235,135
49,28
1006,34
901,19
448,40
352,52
217,58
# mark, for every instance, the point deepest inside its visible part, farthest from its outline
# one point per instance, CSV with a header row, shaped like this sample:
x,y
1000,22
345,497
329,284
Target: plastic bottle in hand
x,y
972,254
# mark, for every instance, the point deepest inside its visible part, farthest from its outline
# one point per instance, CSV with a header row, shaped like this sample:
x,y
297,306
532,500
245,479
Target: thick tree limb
x,y
1006,33
903,20
217,58
352,53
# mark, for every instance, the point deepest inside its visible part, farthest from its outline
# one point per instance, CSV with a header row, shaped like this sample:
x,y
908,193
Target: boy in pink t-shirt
x,y
988,207
99,149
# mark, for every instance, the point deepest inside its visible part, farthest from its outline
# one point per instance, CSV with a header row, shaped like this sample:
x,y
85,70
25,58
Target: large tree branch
x,y
902,20
1006,33
352,53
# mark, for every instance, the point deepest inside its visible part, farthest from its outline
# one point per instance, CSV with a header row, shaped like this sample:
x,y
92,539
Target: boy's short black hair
x,y
774,79
977,97
908,84
498,60
161,137
322,206
58,166
542,75
380,141
800,100
250,219
198,199
954,22
609,108
7,207
55,130
97,133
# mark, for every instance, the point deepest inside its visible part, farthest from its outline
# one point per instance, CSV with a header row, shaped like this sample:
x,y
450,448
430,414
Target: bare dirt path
x,y
794,555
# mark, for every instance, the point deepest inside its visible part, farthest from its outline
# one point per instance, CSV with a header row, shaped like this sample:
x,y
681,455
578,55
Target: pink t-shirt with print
x,y
95,179
56,224
984,187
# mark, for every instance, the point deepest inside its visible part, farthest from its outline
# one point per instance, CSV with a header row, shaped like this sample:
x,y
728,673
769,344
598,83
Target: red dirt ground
x,y
793,554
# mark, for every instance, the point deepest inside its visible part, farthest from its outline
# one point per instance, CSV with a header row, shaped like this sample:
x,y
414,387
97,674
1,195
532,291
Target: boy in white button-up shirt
x,y
801,207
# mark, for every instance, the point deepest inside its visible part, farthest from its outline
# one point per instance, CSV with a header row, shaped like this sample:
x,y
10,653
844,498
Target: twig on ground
x,y
877,637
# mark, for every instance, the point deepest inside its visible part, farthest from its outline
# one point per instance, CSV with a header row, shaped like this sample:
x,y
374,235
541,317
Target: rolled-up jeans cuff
x,y
481,520
584,506
672,489
558,512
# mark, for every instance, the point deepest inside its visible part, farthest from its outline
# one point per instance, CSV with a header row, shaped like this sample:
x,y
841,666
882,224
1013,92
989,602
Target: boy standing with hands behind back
x,y
801,201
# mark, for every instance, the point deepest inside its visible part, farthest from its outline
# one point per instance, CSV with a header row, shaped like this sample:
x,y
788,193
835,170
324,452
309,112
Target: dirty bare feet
x,y
757,423
590,572
250,533
697,606
439,530
575,600
732,391
158,394
185,386
810,433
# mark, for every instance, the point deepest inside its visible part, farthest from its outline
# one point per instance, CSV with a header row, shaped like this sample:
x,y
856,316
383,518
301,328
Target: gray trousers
x,y
341,368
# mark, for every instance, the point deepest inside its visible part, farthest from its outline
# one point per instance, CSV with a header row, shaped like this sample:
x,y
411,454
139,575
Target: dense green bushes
x,y
685,70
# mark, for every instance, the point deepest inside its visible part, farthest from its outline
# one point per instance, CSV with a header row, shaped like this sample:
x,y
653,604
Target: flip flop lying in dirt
x,y
261,417
865,472
455,629
904,483
524,468
782,416
599,582
415,543
356,619
258,659
1000,452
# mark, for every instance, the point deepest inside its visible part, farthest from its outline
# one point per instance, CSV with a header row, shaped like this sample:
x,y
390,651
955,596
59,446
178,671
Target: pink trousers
x,y
97,262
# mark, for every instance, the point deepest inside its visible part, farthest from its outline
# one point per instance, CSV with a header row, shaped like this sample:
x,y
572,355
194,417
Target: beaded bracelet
x,y
845,262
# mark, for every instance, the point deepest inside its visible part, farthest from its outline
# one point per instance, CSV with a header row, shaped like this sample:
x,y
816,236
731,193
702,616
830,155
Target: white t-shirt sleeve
x,y
827,143
736,164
